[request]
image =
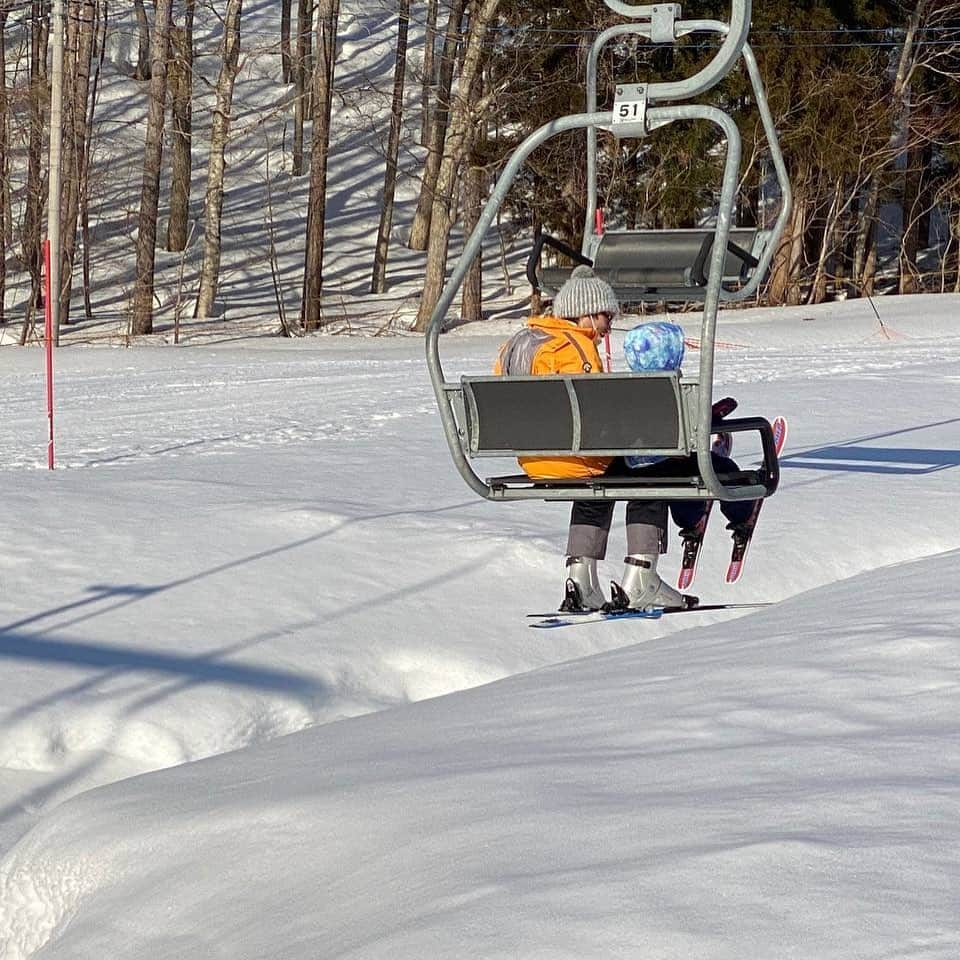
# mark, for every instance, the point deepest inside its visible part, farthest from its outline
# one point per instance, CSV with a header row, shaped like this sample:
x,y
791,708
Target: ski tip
x,y
779,426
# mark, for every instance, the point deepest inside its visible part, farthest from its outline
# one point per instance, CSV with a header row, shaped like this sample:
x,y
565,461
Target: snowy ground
x,y
247,541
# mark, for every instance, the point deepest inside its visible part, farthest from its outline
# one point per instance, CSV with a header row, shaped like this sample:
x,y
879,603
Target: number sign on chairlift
x,y
630,106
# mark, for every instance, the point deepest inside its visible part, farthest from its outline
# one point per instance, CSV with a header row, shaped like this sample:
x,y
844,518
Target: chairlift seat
x,y
603,415
655,265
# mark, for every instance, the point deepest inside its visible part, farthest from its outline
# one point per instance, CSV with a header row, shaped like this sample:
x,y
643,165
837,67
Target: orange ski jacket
x,y
546,346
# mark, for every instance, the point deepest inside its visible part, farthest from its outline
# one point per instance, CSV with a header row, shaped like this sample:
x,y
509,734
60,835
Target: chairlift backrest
x,y
582,414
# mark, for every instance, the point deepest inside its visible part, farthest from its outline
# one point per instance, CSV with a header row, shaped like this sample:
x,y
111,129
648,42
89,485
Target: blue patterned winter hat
x,y
654,346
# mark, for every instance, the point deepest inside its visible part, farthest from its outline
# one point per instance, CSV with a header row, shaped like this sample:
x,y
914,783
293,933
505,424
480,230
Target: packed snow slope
x,y
246,542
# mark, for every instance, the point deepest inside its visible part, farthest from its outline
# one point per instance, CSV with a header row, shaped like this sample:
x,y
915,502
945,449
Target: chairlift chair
x,y
645,414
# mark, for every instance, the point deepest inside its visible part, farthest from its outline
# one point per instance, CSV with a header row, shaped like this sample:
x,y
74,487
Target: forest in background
x,y
864,96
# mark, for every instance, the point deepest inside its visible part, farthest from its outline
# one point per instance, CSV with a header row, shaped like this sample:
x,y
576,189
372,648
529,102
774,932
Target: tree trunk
x,y
429,69
181,95
307,29
328,14
77,66
846,240
213,205
864,254
927,201
828,243
4,10
909,272
955,228
286,57
101,46
301,80
142,309
393,151
420,228
474,191
466,108
33,214
784,287
142,70
868,278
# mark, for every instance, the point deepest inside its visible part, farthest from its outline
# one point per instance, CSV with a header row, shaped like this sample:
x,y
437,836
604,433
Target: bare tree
x,y
213,205
420,228
466,117
286,57
142,70
907,63
181,96
141,320
429,69
328,14
474,192
4,187
393,151
302,67
78,61
36,188
101,45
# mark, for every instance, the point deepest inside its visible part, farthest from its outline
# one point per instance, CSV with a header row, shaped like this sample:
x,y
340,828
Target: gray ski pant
x,y
590,522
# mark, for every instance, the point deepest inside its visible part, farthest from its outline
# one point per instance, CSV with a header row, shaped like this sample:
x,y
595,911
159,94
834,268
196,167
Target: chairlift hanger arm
x,y
735,35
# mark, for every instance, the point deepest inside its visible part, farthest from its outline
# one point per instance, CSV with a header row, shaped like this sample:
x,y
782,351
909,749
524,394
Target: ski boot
x,y
642,589
582,592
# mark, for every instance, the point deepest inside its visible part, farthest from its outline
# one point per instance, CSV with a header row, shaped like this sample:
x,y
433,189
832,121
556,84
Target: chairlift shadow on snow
x,y
26,639
30,638
18,643
851,457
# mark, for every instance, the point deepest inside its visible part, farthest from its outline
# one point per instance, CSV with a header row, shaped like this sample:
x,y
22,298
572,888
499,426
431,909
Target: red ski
x,y
693,537
743,533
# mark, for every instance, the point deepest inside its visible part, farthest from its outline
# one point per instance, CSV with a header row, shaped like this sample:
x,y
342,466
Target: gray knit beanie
x,y
584,293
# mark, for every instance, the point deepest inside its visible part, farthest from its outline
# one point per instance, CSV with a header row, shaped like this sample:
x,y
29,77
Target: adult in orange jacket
x,y
565,342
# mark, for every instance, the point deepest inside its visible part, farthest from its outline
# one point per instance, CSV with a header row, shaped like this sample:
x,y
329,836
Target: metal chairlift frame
x,y
693,409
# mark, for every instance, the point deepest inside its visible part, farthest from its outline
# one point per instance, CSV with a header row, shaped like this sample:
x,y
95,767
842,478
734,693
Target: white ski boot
x,y
642,589
582,591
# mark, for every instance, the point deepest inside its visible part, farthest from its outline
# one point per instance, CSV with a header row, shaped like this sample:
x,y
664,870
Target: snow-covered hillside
x,y
263,201
268,689
256,538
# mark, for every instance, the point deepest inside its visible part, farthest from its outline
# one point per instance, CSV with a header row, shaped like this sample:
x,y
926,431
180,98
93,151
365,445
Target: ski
x,y
779,433
549,621
692,538
692,542
743,533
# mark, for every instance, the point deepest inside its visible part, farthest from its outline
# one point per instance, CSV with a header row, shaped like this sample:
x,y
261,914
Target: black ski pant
x,y
590,520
